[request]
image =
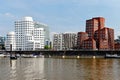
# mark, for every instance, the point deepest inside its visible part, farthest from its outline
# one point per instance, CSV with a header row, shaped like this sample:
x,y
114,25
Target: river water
x,y
59,69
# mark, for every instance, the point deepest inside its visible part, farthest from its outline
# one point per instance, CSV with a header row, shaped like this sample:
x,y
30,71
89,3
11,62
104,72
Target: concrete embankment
x,y
74,57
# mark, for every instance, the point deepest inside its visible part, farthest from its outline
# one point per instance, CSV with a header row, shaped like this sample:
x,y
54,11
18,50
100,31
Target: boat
x,y
13,57
112,56
32,56
27,56
38,56
2,55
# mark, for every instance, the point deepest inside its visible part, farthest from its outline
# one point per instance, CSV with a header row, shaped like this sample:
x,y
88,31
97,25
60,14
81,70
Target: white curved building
x,y
27,18
28,35
46,32
24,34
10,43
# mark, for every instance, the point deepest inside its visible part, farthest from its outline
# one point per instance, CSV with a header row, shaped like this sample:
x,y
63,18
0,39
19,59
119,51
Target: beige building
x,y
64,41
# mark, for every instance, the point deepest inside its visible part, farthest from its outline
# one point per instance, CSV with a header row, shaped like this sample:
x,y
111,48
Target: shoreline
x,y
74,57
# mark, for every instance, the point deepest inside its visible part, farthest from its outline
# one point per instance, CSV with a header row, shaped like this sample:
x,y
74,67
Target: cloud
x,y
7,14
6,22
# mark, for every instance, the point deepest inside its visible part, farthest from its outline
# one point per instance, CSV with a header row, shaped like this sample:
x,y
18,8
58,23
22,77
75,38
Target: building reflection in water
x,y
27,69
59,69
33,68
100,69
13,64
13,70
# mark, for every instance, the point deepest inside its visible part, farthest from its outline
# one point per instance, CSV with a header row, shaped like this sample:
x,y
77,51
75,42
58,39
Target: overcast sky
x,y
60,15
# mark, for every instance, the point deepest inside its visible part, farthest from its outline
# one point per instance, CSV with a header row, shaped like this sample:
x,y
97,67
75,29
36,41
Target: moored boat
x,y
32,56
2,55
13,57
112,56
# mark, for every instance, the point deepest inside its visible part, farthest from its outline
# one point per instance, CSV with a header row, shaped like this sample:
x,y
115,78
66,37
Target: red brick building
x,y
101,37
81,36
111,38
103,44
93,25
117,46
89,44
104,38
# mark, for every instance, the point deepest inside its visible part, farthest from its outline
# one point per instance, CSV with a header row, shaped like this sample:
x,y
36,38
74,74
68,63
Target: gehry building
x,y
10,43
30,35
97,36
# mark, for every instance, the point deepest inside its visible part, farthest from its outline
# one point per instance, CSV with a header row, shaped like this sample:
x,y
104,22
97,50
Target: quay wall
x,y
71,53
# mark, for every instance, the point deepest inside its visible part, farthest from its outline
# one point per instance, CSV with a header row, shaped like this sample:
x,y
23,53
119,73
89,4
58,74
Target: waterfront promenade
x,y
67,52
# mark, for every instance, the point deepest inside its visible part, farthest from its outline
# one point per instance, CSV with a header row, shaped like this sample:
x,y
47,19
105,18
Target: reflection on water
x,y
13,69
82,69
22,69
59,69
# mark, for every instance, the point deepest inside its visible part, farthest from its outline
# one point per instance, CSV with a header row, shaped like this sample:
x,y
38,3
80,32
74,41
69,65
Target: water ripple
x,y
59,69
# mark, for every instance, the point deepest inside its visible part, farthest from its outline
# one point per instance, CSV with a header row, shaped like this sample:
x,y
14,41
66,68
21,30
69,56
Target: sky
x,y
60,15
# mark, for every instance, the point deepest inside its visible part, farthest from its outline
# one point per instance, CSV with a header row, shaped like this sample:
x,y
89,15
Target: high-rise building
x,y
98,34
58,42
70,40
105,38
101,38
64,41
30,35
46,31
10,43
39,38
111,38
94,24
24,30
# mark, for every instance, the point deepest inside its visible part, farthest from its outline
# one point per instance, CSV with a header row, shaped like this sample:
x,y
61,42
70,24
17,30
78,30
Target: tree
x,y
47,47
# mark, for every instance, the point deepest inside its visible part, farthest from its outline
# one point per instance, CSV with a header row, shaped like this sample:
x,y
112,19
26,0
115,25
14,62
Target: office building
x,y
105,39
101,37
70,40
30,35
94,24
58,42
111,38
46,32
64,41
10,43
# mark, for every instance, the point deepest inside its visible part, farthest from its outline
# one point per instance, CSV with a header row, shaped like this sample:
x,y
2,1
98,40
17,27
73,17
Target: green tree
x,y
47,47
